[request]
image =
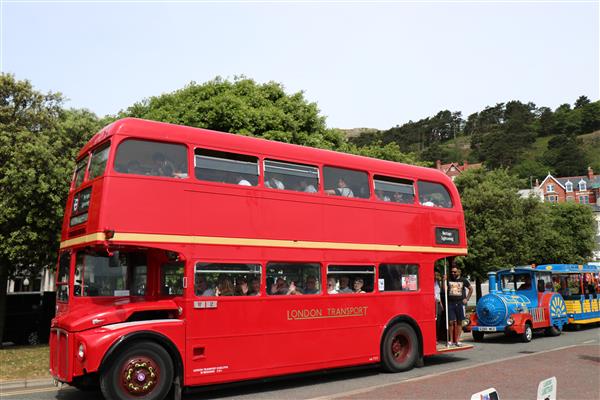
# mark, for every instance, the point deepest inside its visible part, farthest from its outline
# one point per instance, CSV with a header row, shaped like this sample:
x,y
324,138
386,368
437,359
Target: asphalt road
x,y
513,368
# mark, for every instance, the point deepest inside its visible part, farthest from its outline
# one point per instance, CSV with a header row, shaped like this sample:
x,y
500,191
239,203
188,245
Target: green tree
x,y
38,142
572,230
242,106
566,156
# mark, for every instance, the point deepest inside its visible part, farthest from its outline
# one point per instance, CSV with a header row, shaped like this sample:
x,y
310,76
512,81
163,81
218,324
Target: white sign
x,y
547,389
487,394
381,284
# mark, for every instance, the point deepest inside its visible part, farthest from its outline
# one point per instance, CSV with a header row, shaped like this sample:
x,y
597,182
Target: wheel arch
x,y
413,324
149,336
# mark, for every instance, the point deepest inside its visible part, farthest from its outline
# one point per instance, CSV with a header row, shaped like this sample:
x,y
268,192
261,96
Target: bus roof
x,y
565,268
160,131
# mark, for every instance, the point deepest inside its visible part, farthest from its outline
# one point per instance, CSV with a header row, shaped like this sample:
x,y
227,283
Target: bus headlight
x,y
510,321
81,352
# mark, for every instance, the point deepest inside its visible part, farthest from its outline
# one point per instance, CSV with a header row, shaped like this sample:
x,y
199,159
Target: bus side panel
x,y
252,337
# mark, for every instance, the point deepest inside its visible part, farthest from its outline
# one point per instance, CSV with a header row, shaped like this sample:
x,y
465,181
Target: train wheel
x,y
477,336
527,335
400,348
552,331
143,370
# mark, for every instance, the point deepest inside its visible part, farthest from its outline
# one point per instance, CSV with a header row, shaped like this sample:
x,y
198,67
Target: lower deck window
x,y
216,279
398,277
350,279
293,278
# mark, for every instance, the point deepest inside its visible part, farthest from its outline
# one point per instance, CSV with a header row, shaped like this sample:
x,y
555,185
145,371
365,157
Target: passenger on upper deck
x,y
306,187
242,181
161,166
342,189
274,183
381,195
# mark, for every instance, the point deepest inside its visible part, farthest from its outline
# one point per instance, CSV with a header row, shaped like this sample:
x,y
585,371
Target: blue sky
x,y
365,64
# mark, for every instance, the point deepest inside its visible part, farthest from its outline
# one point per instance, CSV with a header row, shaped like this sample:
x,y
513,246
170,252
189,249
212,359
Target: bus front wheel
x,y
400,348
143,370
527,334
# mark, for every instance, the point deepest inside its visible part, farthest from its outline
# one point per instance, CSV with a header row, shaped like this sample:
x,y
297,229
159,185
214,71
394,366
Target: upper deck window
x,y
434,195
80,172
220,166
394,189
143,157
284,175
98,161
346,182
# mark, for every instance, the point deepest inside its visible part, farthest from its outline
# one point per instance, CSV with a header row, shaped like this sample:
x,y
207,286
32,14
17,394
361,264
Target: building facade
x,y
584,189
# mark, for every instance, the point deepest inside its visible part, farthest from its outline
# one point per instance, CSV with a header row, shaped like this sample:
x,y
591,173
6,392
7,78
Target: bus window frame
x,y
113,158
437,208
85,172
110,158
259,171
370,183
351,272
262,182
383,175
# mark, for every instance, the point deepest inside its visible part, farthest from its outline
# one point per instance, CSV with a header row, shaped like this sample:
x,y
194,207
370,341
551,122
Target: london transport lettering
x,y
317,313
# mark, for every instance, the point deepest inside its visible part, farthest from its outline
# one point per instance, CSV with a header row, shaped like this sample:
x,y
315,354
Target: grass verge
x,y
24,362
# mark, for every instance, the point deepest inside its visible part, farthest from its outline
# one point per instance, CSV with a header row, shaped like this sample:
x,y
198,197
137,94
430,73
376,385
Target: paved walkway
x,y
577,371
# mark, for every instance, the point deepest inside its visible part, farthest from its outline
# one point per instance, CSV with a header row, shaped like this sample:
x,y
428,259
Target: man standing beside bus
x,y
457,299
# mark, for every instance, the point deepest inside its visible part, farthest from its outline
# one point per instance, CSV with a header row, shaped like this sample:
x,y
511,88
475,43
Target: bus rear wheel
x,y
144,370
400,348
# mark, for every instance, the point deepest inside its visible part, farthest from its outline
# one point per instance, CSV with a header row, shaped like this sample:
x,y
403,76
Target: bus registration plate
x,y
487,328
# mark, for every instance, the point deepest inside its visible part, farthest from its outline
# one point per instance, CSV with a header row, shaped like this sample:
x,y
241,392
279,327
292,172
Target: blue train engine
x,y
520,301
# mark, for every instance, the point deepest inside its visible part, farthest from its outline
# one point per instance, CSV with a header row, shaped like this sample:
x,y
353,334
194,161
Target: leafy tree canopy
x,y
242,106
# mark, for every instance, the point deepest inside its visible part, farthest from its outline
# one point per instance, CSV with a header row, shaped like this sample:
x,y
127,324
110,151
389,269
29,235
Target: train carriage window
x,y
398,277
350,278
217,279
394,189
346,182
144,157
220,166
298,177
434,195
98,161
293,278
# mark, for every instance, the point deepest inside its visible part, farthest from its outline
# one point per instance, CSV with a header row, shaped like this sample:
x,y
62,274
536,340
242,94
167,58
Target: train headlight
x,y
510,321
81,352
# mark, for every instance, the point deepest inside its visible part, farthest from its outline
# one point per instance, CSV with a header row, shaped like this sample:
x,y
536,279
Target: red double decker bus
x,y
192,257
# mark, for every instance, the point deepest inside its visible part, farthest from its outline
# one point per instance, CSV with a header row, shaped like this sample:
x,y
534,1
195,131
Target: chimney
x,y
438,164
465,165
590,173
537,182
